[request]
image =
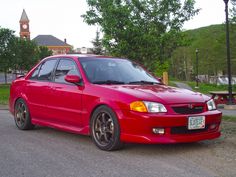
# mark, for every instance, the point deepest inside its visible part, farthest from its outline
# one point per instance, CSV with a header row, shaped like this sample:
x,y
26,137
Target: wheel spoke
x,y
22,121
108,122
106,138
21,107
98,122
99,136
97,129
103,117
109,131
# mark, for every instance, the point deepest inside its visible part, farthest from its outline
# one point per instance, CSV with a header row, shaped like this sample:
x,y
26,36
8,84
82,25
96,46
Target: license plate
x,y
197,122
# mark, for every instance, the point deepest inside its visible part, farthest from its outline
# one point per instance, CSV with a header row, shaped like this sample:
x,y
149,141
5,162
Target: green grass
x,y
4,93
206,88
230,118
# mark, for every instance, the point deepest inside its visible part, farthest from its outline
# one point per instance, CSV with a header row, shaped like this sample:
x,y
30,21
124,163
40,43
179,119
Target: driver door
x,y
66,99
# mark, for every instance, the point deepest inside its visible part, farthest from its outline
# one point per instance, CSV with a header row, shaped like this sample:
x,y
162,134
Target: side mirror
x,y
74,79
19,76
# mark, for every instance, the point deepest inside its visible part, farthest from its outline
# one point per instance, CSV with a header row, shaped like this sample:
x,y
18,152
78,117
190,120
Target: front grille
x,y
188,110
184,130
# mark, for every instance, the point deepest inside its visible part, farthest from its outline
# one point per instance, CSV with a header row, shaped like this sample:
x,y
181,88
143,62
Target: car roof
x,y
83,56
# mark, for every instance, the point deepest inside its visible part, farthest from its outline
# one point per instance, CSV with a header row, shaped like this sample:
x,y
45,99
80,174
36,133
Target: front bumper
x,y
137,127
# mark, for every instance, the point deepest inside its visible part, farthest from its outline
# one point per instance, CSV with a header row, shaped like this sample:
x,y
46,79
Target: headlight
x,y
211,105
146,106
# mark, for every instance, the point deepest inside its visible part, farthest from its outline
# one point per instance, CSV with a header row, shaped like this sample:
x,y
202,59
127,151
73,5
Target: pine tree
x,y
97,44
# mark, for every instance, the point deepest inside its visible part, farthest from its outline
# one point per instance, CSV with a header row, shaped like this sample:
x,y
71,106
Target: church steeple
x,y
24,26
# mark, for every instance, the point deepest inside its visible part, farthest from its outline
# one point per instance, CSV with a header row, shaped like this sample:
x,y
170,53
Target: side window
x,y
65,67
46,70
34,76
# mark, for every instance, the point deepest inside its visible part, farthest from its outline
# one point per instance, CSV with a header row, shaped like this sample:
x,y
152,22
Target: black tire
x,y
22,115
105,129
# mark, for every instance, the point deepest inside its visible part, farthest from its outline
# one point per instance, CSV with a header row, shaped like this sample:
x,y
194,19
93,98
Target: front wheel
x,y
105,130
22,115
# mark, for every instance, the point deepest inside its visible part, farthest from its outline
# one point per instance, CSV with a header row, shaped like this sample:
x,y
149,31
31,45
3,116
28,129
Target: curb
x,y
230,107
4,107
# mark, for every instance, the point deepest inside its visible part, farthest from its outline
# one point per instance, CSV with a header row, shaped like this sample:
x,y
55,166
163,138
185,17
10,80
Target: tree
x,y
233,11
16,53
146,31
97,44
26,54
43,52
6,39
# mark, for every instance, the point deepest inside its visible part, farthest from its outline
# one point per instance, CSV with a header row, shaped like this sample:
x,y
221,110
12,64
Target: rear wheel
x,y
22,115
105,130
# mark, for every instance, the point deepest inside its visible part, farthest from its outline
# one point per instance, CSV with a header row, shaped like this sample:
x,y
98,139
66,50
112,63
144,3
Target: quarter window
x,y
46,70
65,67
35,73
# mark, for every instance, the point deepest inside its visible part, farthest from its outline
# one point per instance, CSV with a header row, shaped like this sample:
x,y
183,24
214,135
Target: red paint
x,y
69,107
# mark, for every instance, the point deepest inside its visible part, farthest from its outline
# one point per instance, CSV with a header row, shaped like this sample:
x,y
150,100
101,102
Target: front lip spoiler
x,y
164,139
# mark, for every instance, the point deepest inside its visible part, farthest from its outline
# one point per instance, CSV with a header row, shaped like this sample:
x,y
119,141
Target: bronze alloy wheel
x,y
105,129
22,116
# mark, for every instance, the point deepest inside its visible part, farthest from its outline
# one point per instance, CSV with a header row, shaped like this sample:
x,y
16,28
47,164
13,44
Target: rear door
x,y
38,89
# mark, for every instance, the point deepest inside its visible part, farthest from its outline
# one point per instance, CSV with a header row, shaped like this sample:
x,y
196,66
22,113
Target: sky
x,y
62,18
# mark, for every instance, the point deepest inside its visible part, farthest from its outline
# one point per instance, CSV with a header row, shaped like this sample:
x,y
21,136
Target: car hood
x,y
164,94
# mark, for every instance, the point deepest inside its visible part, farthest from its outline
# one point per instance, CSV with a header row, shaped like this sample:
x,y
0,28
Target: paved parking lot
x,y
48,152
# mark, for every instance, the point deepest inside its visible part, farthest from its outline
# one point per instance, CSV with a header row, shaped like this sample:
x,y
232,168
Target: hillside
x,y
210,41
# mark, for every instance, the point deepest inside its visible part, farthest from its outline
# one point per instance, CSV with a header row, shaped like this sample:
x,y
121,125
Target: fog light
x,y
213,126
160,131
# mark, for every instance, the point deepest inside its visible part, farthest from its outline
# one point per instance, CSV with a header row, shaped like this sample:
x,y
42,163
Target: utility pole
x,y
230,100
197,69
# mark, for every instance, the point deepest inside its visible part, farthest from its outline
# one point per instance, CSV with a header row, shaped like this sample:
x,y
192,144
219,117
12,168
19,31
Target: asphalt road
x,y
46,152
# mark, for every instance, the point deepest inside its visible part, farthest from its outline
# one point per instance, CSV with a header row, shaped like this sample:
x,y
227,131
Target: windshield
x,y
115,71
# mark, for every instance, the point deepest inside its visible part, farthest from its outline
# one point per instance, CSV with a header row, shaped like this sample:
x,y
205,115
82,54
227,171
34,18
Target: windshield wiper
x,y
144,82
108,82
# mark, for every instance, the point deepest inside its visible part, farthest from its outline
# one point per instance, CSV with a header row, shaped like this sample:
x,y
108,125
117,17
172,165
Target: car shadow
x,y
132,148
61,134
171,148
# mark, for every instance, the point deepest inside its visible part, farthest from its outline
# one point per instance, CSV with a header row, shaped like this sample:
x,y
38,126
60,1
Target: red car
x,y
114,100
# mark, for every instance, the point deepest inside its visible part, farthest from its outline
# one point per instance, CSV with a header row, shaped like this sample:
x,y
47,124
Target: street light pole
x,y
230,101
197,68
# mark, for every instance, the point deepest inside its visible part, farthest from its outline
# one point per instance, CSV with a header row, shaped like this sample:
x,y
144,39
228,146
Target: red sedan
x,y
114,100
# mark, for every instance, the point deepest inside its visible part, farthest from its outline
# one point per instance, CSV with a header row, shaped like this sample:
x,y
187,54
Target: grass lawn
x,y
230,118
4,93
206,88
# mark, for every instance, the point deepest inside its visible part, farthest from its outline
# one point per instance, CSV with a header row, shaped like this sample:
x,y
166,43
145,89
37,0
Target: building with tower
x,y
54,44
24,26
